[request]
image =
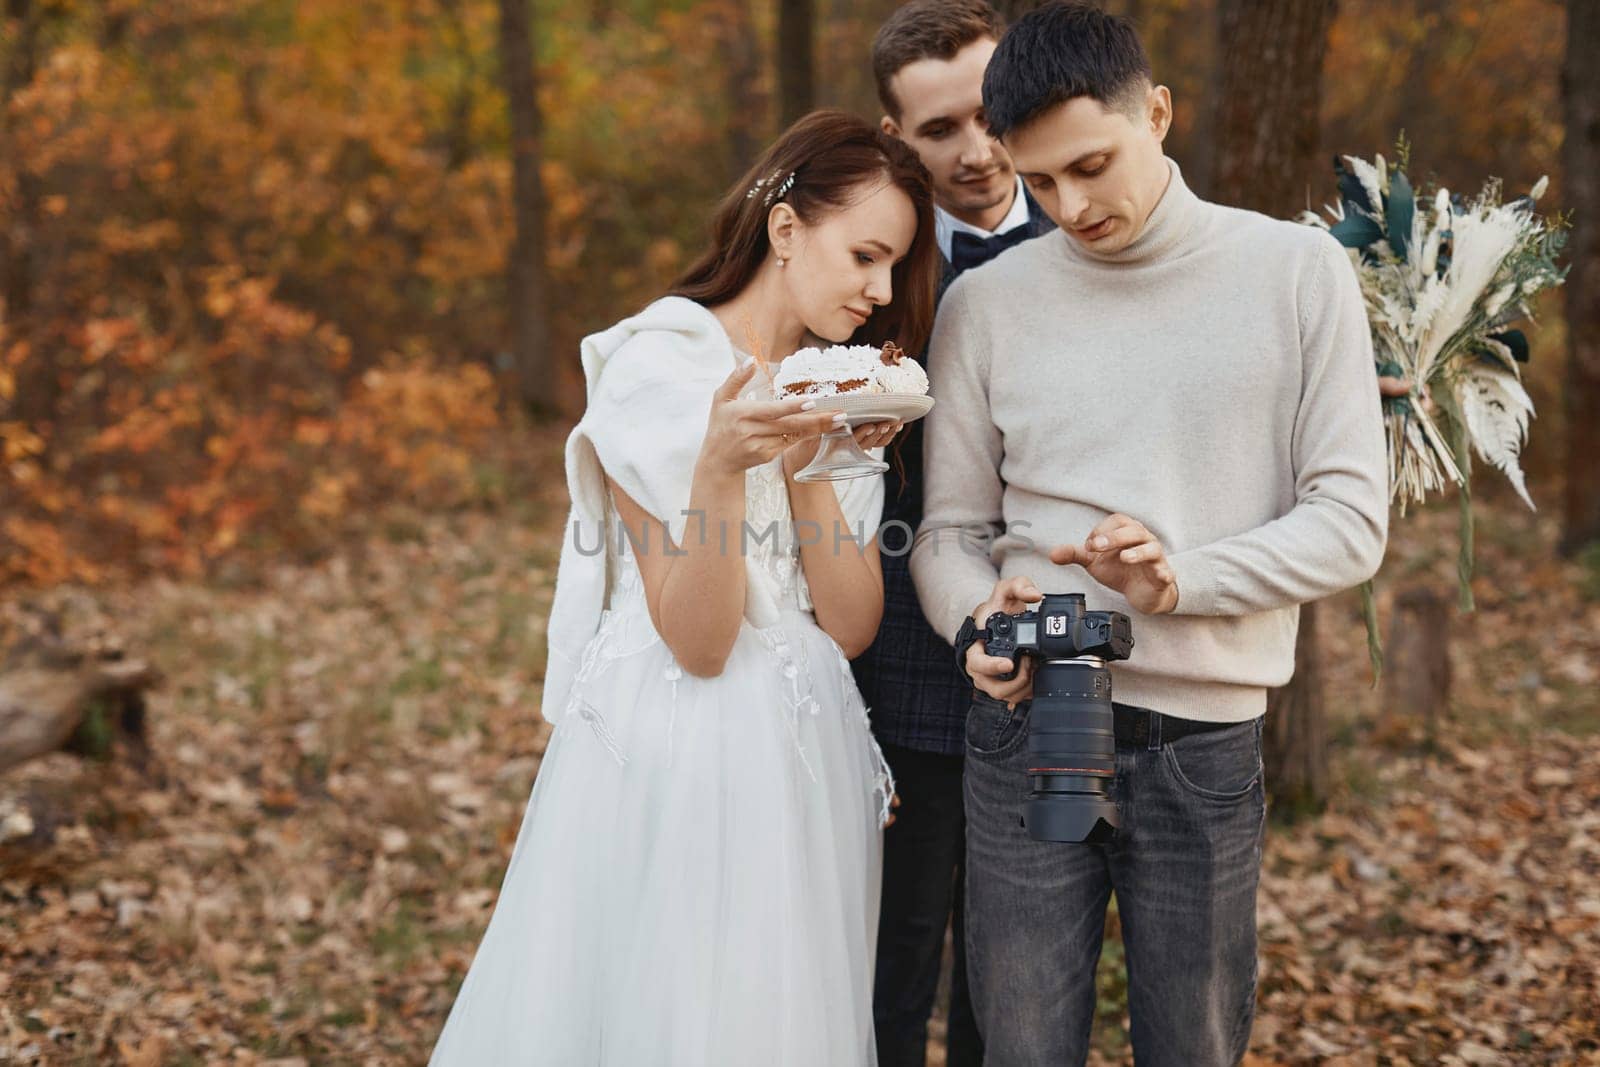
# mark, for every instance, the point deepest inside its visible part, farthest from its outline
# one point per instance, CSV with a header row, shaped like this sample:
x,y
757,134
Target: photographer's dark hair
x,y
831,156
1058,52
928,29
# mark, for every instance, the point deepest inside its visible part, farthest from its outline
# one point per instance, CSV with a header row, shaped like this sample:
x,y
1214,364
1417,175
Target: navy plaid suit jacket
x,y
908,675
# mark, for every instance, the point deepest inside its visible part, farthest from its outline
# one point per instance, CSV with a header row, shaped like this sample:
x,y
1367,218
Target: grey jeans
x,y
1184,866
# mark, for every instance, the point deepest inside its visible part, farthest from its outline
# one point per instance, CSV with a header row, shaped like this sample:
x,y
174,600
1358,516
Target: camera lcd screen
x,y
1027,633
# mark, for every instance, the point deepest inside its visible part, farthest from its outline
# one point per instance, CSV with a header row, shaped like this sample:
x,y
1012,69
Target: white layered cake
x,y
854,369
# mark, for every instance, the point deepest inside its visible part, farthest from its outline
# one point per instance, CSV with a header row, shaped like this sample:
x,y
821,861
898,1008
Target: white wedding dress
x,y
695,883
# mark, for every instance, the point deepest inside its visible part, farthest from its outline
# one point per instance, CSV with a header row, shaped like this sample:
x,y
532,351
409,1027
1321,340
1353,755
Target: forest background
x,y
290,298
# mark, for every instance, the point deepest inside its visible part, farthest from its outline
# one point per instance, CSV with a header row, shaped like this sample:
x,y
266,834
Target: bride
x,y
696,877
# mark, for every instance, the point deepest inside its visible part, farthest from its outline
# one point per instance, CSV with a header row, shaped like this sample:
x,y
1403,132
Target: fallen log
x,y
56,697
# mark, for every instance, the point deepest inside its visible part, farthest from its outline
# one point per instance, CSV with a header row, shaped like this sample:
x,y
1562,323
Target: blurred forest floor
x,y
343,750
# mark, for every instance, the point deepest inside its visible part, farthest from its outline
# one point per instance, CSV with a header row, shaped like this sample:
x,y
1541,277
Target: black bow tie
x,y
968,250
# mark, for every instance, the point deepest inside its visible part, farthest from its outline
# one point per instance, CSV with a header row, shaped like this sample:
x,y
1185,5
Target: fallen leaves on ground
x,y
344,751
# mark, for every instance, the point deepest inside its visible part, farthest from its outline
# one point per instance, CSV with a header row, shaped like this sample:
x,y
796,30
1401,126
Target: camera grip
x,y
1000,641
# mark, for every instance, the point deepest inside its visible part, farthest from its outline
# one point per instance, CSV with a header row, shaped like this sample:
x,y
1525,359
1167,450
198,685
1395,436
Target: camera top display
x,y
1061,627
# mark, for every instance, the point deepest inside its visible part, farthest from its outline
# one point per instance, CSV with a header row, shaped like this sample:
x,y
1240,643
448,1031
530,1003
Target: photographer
x,y
1179,396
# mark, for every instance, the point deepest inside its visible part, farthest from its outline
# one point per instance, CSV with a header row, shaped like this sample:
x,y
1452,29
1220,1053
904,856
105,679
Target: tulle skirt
x,y
696,877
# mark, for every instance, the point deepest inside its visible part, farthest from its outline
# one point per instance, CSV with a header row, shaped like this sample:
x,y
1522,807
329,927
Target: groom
x,y
928,60
1179,397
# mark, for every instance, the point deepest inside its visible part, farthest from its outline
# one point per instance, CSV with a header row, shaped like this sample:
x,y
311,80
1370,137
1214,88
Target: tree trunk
x,y
21,20
1295,742
796,58
457,134
533,368
1265,126
741,66
1580,92
1416,676
1269,110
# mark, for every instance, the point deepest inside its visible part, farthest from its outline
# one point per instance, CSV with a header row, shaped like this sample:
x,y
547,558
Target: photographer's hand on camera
x,y
1009,595
1121,554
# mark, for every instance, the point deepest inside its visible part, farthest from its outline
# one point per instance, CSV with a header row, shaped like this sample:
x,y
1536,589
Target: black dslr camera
x,y
1072,748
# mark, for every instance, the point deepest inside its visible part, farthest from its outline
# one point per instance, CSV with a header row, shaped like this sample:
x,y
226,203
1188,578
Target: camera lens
x,y
1072,750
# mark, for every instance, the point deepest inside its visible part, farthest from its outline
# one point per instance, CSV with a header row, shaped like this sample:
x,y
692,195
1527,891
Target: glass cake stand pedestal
x,y
839,457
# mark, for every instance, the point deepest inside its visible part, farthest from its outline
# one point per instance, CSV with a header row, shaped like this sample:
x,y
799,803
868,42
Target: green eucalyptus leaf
x,y
1351,191
1515,340
1399,211
1356,231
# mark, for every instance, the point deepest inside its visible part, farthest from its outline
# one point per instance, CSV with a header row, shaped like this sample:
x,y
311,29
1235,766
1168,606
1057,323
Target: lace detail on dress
x,y
624,583
624,595
883,776
795,669
772,542
598,649
770,537
800,698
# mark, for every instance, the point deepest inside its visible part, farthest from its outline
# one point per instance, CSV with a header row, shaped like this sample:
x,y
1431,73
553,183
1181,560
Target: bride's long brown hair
x,y
830,156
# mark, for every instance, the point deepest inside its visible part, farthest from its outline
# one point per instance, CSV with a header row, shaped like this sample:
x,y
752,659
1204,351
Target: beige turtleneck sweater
x,y
1213,380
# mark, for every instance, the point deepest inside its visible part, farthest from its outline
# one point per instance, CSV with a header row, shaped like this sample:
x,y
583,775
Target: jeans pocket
x,y
992,728
1222,765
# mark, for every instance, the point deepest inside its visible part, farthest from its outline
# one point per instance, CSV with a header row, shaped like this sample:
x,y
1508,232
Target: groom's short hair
x,y
928,29
1060,51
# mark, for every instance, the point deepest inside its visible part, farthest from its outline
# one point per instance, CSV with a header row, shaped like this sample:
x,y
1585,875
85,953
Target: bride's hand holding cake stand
x,y
745,431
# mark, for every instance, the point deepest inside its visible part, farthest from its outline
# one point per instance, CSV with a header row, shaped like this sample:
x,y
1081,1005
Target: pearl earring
x,y
782,262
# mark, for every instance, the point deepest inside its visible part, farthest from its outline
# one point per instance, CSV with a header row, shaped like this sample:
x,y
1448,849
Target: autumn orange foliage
x,y
252,251
256,246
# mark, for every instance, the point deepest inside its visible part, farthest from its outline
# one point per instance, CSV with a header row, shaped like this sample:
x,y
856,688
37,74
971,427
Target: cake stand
x,y
839,457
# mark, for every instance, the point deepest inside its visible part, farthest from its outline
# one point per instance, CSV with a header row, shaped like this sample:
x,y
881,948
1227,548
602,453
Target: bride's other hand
x,y
746,432
869,436
877,434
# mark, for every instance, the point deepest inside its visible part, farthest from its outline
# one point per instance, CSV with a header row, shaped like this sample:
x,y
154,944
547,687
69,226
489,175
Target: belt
x,y
1134,725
